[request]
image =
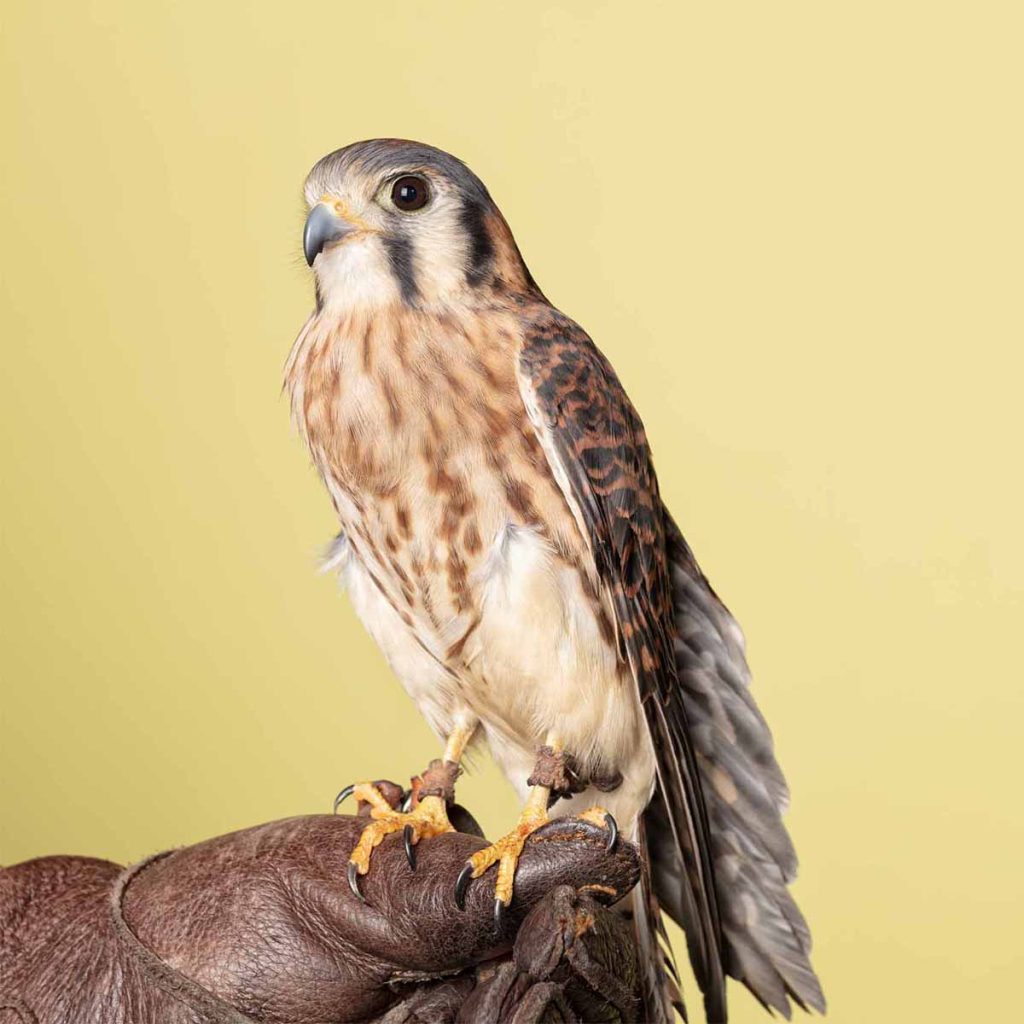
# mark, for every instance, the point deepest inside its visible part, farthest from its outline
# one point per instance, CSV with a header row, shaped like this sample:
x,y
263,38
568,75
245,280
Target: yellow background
x,y
797,230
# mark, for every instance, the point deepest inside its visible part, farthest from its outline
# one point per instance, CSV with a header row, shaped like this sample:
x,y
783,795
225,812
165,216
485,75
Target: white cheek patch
x,y
441,253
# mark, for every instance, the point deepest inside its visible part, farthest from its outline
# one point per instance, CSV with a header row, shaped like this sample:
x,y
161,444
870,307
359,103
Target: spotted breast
x,y
459,551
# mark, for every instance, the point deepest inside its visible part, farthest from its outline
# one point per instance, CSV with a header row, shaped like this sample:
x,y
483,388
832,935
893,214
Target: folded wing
x,y
595,444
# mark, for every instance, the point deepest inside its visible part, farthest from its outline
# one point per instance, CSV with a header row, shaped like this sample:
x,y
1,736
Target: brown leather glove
x,y
260,925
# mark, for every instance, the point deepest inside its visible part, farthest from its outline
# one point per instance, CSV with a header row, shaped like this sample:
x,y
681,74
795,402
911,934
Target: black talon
x,y
343,796
613,832
410,850
353,880
499,915
461,885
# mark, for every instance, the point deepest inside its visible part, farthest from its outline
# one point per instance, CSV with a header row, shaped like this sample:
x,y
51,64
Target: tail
x,y
763,939
660,993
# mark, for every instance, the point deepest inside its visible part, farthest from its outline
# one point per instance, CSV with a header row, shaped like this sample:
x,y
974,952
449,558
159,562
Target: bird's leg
x,y
428,813
553,777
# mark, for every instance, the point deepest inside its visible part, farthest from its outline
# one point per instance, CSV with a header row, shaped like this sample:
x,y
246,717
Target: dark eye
x,y
410,193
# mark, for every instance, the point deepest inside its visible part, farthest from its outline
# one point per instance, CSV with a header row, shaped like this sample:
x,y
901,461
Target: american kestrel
x,y
503,540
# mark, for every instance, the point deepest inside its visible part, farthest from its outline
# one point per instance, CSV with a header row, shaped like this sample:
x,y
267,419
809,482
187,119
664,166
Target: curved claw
x,y
343,796
500,914
410,850
613,832
462,884
353,880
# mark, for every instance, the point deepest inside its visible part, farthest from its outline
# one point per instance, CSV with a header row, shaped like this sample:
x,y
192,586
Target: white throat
x,y
355,275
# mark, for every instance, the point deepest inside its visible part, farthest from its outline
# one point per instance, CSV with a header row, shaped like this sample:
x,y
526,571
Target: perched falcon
x,y
503,540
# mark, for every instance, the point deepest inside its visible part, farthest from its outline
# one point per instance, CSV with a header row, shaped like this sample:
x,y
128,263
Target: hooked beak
x,y
323,226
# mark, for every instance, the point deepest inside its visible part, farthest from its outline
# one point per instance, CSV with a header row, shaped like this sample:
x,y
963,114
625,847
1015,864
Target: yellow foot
x,y
509,848
427,819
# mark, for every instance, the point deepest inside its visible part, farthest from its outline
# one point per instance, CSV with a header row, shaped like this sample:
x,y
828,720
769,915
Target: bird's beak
x,y
325,224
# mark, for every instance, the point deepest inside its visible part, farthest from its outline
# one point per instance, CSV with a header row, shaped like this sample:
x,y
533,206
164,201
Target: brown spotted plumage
x,y
503,539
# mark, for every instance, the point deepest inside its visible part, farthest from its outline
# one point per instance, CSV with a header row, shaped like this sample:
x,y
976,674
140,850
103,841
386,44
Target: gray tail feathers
x,y
764,941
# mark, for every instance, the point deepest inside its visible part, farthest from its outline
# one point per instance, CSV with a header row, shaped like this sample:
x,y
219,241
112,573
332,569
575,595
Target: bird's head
x,y
396,221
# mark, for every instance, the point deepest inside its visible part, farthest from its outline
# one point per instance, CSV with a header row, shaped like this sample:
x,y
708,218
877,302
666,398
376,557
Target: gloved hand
x,y
261,925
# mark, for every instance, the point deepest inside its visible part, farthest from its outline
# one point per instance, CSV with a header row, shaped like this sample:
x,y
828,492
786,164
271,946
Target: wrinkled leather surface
x,y
264,920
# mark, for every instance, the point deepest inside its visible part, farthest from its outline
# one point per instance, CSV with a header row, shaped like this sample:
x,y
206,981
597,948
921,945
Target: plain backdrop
x,y
796,229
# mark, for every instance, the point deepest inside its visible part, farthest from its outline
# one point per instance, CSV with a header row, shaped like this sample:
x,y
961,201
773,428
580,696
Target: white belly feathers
x,y
535,662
